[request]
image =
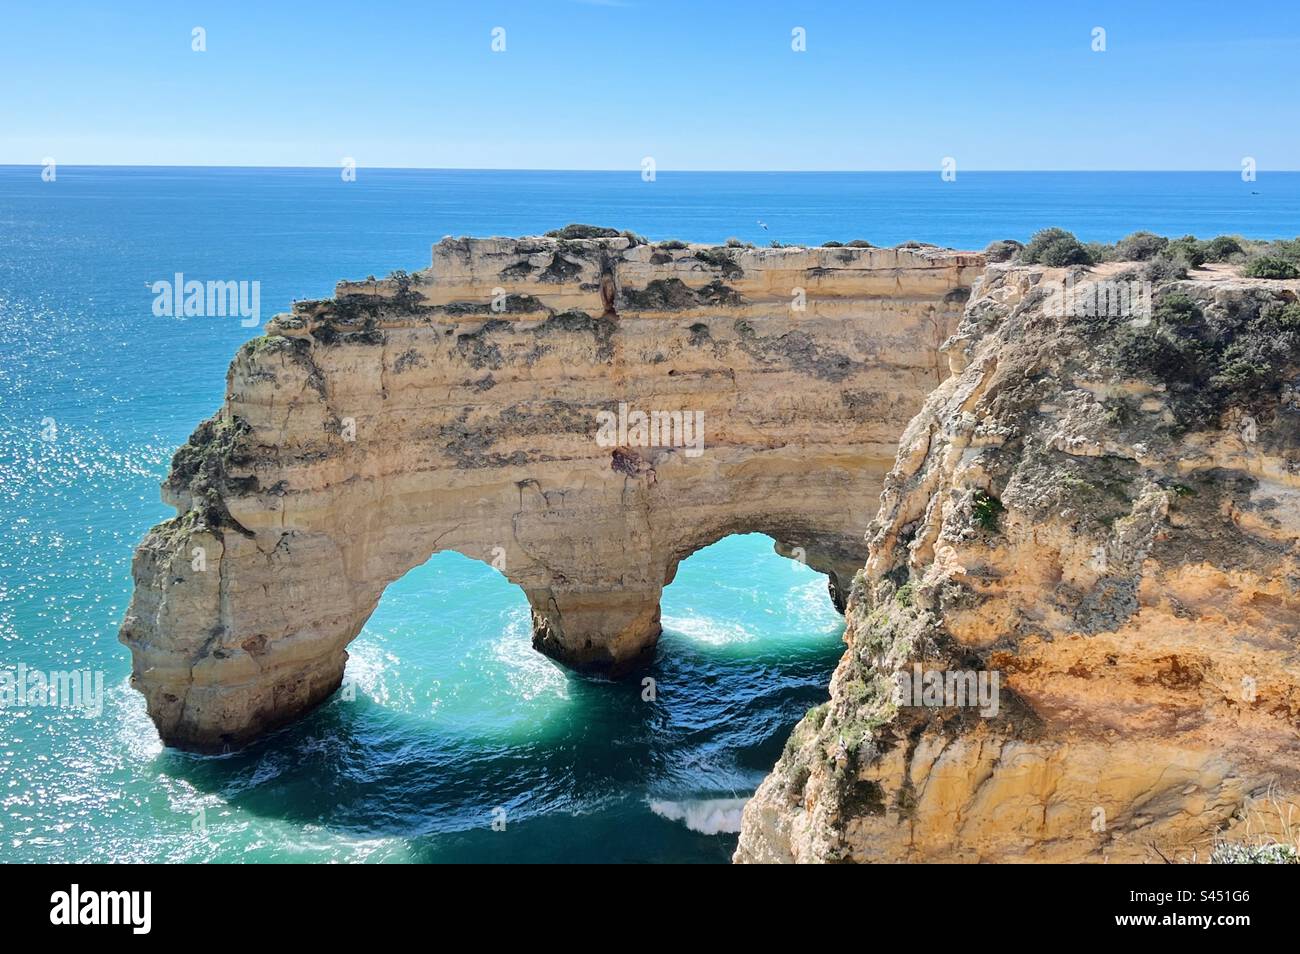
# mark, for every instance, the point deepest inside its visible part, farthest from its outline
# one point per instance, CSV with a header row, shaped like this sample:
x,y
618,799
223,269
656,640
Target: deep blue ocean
x,y
455,716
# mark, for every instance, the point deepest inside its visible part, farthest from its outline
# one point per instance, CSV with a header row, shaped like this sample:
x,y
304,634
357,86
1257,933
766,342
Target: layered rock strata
x,y
488,405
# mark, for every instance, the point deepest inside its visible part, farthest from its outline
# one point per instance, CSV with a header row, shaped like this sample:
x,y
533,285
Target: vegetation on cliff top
x,y
1271,266
1235,354
722,259
1163,259
576,230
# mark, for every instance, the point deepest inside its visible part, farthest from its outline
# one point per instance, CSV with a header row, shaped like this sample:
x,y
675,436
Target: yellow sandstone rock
x,y
458,408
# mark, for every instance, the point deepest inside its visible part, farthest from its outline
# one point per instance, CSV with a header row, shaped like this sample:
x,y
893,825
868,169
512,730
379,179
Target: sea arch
x,y
461,408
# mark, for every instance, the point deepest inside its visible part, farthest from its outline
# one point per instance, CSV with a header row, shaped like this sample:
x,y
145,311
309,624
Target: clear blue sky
x,y
706,84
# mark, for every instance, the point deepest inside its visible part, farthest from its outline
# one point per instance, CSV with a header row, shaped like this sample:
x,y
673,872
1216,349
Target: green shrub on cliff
x,y
1222,248
1239,372
1177,311
1287,318
1055,247
266,344
1271,266
1140,246
1188,250
576,230
1236,355
1101,252
720,258
1003,250
404,297
1288,249
1161,269
987,509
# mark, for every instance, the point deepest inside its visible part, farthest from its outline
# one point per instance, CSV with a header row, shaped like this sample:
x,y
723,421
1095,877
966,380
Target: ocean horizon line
x,y
1233,170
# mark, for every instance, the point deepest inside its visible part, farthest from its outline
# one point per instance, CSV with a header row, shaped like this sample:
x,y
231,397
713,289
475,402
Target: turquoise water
x,y
453,716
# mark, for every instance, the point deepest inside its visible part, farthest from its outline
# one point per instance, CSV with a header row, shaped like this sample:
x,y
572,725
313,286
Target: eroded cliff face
x,y
456,409
1104,513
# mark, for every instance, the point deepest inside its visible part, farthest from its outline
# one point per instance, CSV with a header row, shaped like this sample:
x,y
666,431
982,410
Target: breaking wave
x,y
709,816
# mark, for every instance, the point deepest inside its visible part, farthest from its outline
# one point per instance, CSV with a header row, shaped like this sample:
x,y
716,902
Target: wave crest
x,y
709,816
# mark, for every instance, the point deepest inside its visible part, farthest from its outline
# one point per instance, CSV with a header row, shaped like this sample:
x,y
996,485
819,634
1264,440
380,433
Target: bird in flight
x,y
762,225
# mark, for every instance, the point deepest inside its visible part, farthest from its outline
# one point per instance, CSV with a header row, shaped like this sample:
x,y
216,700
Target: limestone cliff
x,y
459,408
1102,512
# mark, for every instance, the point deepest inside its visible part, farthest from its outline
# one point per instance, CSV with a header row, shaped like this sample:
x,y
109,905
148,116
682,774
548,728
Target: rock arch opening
x,y
450,642
742,593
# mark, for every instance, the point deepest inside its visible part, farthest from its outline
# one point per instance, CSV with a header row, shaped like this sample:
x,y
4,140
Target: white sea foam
x,y
809,609
711,632
529,672
135,731
369,665
709,816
